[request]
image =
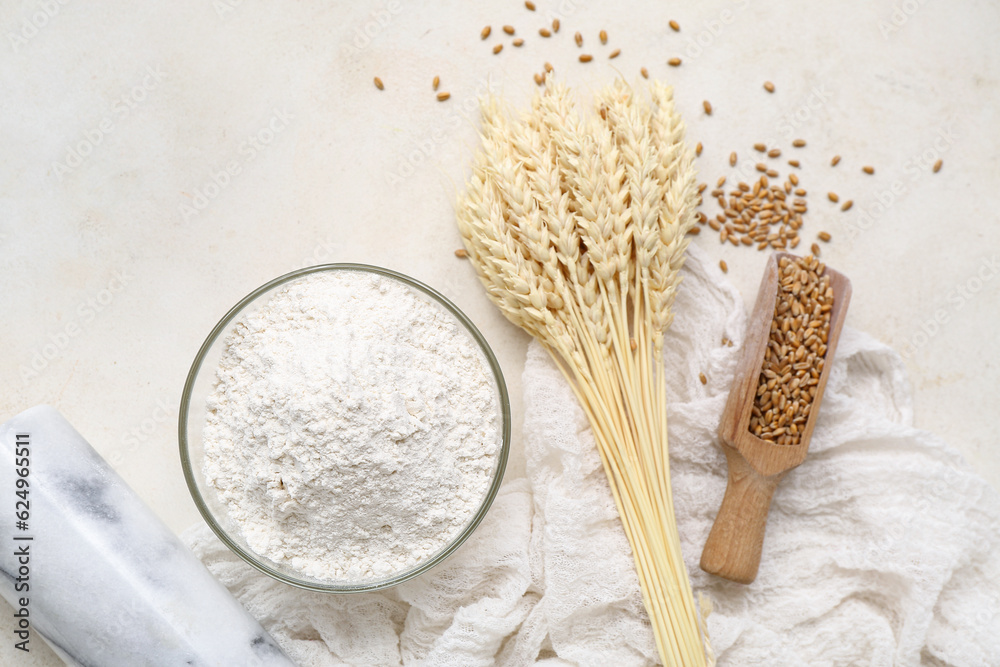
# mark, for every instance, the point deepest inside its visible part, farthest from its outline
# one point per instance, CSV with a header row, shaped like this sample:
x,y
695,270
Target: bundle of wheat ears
x,y
576,224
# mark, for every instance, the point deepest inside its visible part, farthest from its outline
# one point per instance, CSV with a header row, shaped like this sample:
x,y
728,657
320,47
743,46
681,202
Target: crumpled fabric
x,y
882,548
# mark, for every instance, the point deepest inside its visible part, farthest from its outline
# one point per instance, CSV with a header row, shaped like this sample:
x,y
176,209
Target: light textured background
x,y
110,286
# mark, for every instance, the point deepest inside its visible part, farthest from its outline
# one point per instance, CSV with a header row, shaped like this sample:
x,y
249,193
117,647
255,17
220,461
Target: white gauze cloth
x,y
882,548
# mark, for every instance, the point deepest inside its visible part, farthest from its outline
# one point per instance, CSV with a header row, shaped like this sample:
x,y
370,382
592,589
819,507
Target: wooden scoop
x,y
755,465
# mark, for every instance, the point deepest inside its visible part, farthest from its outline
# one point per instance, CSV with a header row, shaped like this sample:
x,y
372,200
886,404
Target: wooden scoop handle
x,y
734,545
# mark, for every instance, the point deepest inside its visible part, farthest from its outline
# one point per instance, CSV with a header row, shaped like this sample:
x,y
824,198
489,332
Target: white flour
x,y
354,428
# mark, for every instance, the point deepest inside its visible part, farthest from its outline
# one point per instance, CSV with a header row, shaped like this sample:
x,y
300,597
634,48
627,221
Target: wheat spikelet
x,y
576,227
678,202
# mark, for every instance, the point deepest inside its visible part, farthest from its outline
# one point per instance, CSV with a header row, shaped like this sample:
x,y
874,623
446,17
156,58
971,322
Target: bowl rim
x,y
256,560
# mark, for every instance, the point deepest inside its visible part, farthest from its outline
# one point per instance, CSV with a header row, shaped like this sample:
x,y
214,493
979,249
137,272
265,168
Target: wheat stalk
x,y
576,225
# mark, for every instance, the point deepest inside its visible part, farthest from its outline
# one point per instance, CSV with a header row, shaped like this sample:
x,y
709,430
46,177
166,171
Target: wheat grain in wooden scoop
x,y
575,223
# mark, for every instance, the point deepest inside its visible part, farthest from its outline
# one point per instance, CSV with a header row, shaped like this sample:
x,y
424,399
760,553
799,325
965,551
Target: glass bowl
x,y
199,386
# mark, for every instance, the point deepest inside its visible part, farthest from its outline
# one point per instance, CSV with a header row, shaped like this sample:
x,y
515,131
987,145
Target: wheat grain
x,y
794,356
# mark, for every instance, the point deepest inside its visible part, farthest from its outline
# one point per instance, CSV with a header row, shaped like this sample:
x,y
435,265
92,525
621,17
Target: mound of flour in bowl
x,y
354,428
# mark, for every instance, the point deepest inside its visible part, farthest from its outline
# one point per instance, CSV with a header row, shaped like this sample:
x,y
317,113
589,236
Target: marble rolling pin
x,y
88,567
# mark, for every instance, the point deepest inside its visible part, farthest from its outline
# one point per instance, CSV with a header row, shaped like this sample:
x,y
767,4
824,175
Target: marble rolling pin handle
x,y
102,579
737,537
